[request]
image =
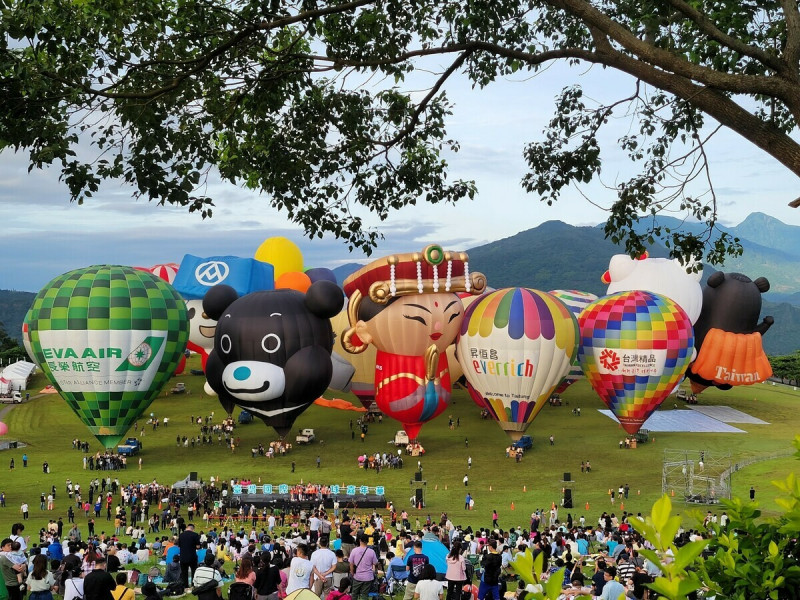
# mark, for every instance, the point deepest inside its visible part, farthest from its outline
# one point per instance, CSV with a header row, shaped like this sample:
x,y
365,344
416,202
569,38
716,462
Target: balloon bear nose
x,y
242,373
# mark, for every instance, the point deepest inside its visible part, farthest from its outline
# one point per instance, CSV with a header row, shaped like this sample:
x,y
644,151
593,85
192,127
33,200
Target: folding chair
x,y
397,578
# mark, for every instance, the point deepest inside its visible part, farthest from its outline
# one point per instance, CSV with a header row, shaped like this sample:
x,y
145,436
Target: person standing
x,y
466,480
324,560
363,567
414,564
490,580
24,460
10,571
188,544
346,535
752,493
456,573
24,510
319,461
301,571
494,518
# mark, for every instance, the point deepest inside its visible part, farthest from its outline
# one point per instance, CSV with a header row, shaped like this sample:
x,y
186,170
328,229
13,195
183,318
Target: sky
x,y
44,235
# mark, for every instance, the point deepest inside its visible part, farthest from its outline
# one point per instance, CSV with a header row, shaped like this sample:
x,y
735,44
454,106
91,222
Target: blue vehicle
x,y
245,417
524,443
131,446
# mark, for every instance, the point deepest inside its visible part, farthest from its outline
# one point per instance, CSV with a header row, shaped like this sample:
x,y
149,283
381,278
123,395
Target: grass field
x,y
48,426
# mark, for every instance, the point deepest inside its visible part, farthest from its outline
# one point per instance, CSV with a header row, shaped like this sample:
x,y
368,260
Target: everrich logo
x,y
141,356
211,273
609,360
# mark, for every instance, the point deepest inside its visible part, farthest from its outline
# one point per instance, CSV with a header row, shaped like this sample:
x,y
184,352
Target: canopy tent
x,y
436,552
18,374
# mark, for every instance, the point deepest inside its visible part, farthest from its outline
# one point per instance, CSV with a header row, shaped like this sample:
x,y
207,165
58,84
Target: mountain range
x,y
556,255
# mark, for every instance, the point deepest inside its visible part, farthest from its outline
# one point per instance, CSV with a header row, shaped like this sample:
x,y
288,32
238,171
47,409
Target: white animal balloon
x,y
658,275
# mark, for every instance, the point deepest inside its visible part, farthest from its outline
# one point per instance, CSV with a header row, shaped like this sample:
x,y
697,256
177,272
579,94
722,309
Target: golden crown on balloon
x,y
431,271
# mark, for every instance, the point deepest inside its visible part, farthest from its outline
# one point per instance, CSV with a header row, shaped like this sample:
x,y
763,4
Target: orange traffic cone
x,y
622,506
638,492
524,488
673,493
587,506
512,505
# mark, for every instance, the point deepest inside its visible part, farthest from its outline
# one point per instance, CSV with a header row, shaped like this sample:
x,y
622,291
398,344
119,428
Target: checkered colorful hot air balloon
x,y
576,301
515,346
108,338
635,348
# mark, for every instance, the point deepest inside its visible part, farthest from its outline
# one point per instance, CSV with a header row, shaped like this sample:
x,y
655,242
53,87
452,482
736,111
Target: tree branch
x,y
717,105
712,31
792,50
663,59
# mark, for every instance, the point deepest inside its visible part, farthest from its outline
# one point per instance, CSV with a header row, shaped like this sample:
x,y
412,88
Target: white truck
x,y
401,438
306,436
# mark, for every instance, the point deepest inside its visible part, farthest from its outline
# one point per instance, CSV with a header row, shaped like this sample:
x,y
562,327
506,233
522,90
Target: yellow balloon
x,y
282,253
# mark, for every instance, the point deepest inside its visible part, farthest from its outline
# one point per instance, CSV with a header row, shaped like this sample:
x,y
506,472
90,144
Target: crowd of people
x,y
337,555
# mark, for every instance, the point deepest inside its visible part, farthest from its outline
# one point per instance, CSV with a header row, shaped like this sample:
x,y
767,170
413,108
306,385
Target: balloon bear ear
x,y
762,283
716,279
217,299
324,299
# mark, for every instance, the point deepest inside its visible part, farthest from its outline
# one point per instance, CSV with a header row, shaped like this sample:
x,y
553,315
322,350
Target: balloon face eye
x,y
191,312
225,343
271,343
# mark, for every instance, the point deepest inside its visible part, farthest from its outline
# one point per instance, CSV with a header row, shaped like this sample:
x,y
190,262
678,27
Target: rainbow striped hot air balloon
x,y
635,348
515,346
576,301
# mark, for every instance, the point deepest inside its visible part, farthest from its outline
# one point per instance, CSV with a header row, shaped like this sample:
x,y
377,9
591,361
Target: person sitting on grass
x,y
428,588
342,593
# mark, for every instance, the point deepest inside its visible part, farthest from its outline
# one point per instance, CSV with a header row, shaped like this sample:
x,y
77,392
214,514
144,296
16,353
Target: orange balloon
x,y
293,280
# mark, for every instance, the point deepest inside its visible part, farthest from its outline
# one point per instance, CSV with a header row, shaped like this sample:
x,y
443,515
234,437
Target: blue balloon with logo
x,y
197,275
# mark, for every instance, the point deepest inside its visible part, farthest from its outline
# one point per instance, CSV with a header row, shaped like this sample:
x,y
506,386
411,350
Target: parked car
x,y
245,417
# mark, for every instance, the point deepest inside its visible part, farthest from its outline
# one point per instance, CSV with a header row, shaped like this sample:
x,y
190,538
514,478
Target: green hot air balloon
x,y
108,338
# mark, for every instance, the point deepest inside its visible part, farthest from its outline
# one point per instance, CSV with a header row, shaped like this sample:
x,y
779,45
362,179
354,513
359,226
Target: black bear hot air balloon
x,y
272,350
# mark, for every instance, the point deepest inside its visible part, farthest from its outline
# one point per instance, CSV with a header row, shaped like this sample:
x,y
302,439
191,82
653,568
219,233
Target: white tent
x,y
18,374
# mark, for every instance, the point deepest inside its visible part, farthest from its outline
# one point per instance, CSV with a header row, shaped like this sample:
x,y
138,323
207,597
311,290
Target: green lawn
x,y
48,427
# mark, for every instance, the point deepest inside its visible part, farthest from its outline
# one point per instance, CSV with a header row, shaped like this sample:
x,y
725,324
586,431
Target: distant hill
x,y
771,250
556,255
13,306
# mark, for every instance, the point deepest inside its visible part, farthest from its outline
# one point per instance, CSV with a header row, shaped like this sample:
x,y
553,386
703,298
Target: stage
x,y
280,501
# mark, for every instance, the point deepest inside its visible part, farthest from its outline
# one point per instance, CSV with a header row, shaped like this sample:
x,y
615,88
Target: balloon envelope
x,y
108,338
282,254
635,348
362,384
515,346
3,429
576,301
318,273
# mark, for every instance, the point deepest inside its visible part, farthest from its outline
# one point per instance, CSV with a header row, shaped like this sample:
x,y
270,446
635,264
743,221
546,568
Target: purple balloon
x,y
321,274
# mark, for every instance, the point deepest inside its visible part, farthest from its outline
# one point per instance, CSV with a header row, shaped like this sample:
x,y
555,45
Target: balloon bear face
x,y
657,275
272,350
